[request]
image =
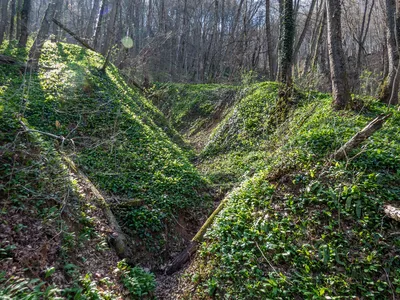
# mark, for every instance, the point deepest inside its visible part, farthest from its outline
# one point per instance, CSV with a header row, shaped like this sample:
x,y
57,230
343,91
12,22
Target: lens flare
x,y
127,42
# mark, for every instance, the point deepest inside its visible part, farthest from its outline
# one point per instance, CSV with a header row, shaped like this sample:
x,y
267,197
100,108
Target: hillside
x,y
299,224
71,119
92,173
194,109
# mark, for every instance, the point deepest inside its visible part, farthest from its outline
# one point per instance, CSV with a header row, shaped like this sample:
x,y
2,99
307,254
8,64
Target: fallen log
x,y
392,212
361,136
186,254
9,60
117,239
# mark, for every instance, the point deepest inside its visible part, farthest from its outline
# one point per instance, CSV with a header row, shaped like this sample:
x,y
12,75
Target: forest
x,y
199,149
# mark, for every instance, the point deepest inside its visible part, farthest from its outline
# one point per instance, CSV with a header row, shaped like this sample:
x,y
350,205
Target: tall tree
x,y
110,34
304,31
286,40
13,8
94,14
26,8
390,86
36,49
268,35
97,35
3,19
340,86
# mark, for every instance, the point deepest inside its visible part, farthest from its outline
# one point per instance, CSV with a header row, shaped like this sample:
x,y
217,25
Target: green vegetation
x,y
116,137
303,225
111,132
194,109
138,282
297,224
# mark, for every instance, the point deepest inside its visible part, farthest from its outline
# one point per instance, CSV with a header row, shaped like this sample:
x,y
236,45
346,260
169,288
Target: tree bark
x,y
186,254
26,8
340,86
392,212
36,49
92,20
268,37
13,4
286,40
390,85
118,239
110,34
97,35
3,19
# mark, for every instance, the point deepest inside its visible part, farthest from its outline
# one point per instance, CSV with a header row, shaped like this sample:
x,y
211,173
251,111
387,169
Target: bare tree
x,y
94,15
3,19
390,86
340,86
286,40
26,8
268,37
36,49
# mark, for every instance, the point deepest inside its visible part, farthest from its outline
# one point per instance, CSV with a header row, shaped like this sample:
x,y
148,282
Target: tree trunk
x,y
268,36
97,35
360,137
305,29
392,212
316,38
286,40
18,19
12,20
340,86
92,20
73,34
110,34
36,49
3,19
390,85
26,8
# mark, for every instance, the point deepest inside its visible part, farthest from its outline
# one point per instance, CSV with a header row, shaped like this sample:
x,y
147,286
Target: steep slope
x,y
300,225
194,109
117,138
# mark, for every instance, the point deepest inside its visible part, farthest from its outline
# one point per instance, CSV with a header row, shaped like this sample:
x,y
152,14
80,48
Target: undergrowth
x,y
194,109
115,136
301,225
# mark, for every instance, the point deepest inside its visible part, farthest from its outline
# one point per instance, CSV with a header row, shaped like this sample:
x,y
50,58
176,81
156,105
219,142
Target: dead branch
x,y
392,212
361,136
73,34
28,130
182,258
186,254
